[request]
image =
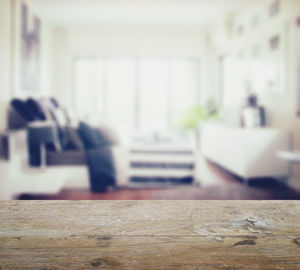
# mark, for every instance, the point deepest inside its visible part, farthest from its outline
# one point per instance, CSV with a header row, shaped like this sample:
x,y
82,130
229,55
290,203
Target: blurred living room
x,y
150,99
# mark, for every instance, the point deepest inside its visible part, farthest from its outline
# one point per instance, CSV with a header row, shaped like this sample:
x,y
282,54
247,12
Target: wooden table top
x,y
228,235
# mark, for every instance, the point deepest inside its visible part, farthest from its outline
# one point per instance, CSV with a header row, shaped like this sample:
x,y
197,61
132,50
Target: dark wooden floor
x,y
215,192
226,187
121,194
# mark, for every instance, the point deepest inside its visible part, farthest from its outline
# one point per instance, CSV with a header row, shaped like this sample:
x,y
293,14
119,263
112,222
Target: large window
x,y
149,95
120,92
153,97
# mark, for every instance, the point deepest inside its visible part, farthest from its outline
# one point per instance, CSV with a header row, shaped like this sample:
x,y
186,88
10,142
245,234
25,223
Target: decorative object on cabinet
x,y
253,115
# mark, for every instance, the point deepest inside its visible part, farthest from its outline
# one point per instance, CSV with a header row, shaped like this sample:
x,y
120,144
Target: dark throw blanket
x,y
101,168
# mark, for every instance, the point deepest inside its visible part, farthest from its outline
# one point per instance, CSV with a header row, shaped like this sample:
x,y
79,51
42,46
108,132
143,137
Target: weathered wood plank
x,y
150,218
227,235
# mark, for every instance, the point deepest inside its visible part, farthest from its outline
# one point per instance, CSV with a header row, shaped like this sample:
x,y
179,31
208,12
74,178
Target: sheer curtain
x,y
89,88
120,91
154,79
148,95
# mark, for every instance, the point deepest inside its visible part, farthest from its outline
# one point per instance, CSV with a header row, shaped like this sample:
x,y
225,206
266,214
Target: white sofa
x,y
17,177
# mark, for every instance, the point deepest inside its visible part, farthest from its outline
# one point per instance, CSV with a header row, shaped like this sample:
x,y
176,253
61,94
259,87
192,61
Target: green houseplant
x,y
196,116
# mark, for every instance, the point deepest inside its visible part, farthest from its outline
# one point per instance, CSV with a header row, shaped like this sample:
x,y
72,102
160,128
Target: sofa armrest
x,y
121,161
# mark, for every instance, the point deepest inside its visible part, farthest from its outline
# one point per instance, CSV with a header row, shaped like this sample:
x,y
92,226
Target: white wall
x,y
8,33
5,47
46,59
281,107
114,40
62,68
5,65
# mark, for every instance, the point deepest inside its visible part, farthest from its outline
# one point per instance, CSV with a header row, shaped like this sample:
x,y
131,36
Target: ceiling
x,y
191,12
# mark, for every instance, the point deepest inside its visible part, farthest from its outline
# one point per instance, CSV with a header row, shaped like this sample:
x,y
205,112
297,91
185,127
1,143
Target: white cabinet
x,y
248,153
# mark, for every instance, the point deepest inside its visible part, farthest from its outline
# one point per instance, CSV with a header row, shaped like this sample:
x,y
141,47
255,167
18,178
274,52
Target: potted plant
x,y
196,116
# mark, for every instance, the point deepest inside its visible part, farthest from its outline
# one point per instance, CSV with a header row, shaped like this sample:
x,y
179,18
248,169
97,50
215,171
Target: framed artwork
x,y
274,42
261,69
255,51
298,90
269,62
274,63
240,30
274,8
297,39
255,21
28,51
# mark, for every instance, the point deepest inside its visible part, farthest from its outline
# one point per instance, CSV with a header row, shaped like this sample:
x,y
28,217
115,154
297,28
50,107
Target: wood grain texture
x,y
171,235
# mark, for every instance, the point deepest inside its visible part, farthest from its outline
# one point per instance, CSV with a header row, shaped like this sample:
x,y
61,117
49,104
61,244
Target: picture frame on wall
x,y
27,45
298,90
267,63
255,51
255,21
274,43
240,30
275,62
274,8
297,41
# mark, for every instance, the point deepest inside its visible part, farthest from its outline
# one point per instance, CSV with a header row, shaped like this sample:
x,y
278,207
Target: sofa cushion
x,y
56,105
54,102
90,137
59,118
37,108
22,108
74,140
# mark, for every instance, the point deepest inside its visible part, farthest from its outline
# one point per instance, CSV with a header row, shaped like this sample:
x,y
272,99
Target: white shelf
x,y
290,156
169,158
161,173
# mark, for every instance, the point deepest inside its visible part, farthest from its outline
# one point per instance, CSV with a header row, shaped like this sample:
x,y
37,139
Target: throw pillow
x,y
22,108
74,140
37,108
89,136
